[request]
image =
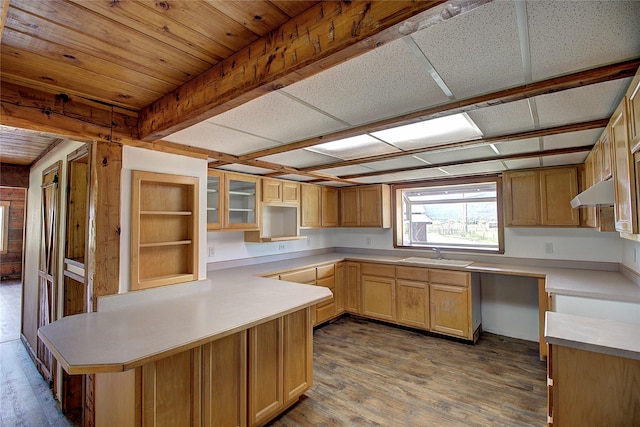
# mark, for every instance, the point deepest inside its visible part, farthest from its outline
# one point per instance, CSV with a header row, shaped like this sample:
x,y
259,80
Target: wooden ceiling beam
x,y
574,127
328,33
4,9
556,84
498,157
65,116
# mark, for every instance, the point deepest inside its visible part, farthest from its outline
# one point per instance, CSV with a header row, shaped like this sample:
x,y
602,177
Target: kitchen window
x,y
453,214
4,226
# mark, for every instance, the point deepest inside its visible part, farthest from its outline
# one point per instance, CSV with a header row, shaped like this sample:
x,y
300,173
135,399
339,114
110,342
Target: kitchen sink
x,y
436,261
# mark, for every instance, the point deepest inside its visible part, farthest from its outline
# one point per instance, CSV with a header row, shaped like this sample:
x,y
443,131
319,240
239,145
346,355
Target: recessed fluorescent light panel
x,y
443,130
353,148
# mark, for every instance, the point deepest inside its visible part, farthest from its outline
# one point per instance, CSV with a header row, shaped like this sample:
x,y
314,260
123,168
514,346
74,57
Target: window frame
x,y
397,219
5,206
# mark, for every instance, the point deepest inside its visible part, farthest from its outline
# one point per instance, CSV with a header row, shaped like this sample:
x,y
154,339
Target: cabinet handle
x,y
550,382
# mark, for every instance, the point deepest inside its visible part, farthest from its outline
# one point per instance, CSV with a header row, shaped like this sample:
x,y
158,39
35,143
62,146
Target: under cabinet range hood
x,y
600,193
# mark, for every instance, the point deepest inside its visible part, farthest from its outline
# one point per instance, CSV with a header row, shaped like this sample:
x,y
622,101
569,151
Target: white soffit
x,y
421,174
346,170
246,169
572,139
571,35
460,154
429,133
581,104
474,168
476,52
300,158
385,82
278,117
504,118
533,162
381,179
354,147
216,138
300,178
564,159
396,163
518,146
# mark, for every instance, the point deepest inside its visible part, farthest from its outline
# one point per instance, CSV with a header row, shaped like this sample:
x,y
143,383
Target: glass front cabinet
x,y
232,201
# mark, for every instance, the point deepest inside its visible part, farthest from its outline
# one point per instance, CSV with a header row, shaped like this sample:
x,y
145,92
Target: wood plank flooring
x,y
369,374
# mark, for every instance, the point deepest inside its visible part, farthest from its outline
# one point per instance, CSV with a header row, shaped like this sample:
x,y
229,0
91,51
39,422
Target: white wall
x,y
631,254
156,161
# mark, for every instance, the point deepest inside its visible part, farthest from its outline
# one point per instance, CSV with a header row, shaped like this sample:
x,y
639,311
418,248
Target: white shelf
x,y
241,210
242,193
180,213
170,243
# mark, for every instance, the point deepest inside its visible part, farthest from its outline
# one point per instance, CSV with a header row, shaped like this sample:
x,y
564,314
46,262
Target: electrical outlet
x,y
282,246
368,240
212,251
548,247
635,255
308,241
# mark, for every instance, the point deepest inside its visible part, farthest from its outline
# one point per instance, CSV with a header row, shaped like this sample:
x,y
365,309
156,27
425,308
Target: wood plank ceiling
x,y
175,75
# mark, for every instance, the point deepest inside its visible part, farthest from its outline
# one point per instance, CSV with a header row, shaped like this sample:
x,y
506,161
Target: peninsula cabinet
x,y
378,291
365,206
412,297
325,276
340,291
352,285
541,197
164,229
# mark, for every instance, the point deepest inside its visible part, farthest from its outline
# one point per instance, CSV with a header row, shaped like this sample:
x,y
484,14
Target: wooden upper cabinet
x,y
310,205
215,199
604,163
634,113
278,191
329,207
624,185
541,197
558,187
365,206
521,198
242,194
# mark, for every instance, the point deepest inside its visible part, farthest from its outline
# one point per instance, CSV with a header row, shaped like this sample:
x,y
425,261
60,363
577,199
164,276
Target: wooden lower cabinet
x,y
352,285
454,298
378,297
246,378
339,294
326,310
592,389
412,303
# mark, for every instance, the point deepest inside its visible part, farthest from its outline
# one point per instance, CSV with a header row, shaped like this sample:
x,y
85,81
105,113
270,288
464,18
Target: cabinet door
x,y
605,155
450,310
326,309
271,190
310,206
587,214
215,199
378,297
242,194
521,198
266,397
412,303
352,278
290,192
224,381
558,187
329,207
349,207
297,355
339,293
634,112
625,188
370,199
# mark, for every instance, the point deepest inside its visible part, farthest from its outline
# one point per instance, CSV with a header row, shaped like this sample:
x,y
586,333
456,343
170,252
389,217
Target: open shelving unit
x,y
164,229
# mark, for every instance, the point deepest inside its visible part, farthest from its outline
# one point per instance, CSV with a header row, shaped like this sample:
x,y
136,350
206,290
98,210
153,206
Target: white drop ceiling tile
x,y
564,159
581,104
354,147
474,168
503,118
277,117
460,154
246,169
335,184
523,163
421,174
572,139
346,170
396,163
381,179
573,35
299,158
385,82
299,178
216,138
476,52
518,146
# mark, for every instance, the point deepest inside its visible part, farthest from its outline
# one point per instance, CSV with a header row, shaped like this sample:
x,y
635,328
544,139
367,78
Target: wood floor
x,y
369,374
365,374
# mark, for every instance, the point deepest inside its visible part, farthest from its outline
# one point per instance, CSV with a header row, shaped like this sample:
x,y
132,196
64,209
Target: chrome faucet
x,y
438,252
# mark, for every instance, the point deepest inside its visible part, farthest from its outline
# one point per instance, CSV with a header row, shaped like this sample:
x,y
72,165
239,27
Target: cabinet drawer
x,y
325,312
413,273
301,276
448,277
325,271
380,270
